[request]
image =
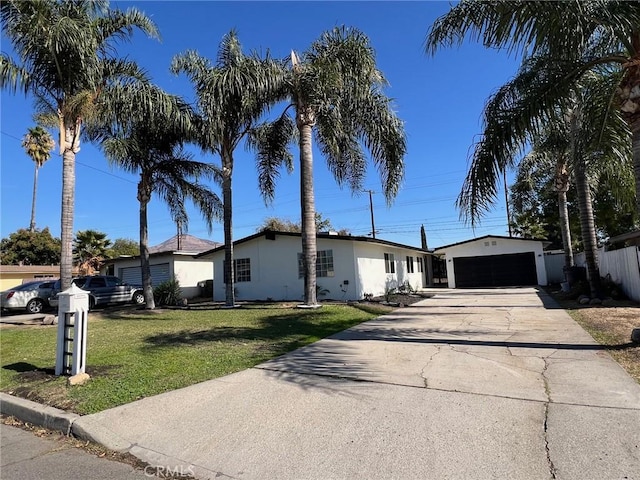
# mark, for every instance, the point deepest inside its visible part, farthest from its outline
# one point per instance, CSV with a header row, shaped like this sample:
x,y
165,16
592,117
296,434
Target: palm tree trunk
x,y
32,224
227,170
66,217
635,145
144,196
307,204
587,226
565,230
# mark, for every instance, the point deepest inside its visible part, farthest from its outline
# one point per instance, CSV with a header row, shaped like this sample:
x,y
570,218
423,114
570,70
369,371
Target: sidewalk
x,y
467,384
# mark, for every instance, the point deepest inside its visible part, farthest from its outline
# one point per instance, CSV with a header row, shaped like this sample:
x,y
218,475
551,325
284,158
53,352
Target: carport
x,y
494,261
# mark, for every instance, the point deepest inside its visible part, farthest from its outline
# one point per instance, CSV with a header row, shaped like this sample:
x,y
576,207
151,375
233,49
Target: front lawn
x,y
134,354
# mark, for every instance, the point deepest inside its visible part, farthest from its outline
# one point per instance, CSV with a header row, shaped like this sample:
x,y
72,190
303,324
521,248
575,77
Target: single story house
x,y
494,261
268,266
13,275
174,257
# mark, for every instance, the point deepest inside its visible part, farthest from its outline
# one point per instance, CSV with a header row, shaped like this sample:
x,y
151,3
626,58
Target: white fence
x,y
622,265
554,263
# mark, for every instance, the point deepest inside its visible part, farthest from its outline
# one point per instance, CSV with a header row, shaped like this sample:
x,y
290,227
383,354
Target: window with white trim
x,y
389,263
241,270
409,264
324,264
420,267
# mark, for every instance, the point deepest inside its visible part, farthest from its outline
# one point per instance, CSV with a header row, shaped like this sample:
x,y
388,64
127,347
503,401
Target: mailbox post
x,y
71,352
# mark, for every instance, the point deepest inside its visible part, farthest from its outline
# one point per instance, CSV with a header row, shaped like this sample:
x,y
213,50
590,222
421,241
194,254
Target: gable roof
x,y
330,236
188,243
488,236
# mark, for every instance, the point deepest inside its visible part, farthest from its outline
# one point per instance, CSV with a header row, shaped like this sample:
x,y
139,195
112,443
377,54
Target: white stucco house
x,y
494,261
174,257
267,266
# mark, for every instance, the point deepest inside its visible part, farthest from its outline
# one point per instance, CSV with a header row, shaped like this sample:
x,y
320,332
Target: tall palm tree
x,y
64,58
90,248
38,145
232,96
337,94
548,157
579,35
580,126
154,150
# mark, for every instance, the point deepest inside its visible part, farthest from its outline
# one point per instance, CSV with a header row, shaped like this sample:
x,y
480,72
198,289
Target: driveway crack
x,y
422,373
547,391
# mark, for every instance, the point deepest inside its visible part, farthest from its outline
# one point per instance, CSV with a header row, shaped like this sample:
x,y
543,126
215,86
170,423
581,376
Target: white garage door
x,y
133,275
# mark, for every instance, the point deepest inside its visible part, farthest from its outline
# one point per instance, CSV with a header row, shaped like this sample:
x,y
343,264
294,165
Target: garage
x,y
494,261
133,275
509,270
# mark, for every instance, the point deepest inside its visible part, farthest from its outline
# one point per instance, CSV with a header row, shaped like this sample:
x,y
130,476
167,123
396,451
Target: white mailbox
x,y
71,352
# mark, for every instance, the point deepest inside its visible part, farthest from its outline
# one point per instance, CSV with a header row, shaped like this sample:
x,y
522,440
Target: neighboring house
x,y
174,257
13,275
626,239
494,261
268,266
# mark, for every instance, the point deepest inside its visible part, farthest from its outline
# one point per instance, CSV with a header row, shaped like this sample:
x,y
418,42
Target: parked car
x,y
103,289
31,297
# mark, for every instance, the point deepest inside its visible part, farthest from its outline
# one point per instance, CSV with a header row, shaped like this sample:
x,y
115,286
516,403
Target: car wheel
x,y
138,297
35,305
92,303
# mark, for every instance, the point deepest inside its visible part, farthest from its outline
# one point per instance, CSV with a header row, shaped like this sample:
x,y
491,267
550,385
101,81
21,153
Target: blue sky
x,y
439,98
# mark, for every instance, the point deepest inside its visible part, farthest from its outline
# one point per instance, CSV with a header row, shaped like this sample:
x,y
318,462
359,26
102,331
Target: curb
x,y
82,427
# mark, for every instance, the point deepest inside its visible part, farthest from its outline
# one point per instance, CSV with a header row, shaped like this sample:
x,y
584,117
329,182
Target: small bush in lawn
x,y
168,293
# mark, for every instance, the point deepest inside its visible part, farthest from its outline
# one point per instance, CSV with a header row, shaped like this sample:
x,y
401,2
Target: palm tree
x,y
38,145
579,126
232,96
547,155
154,150
90,248
336,92
578,35
64,59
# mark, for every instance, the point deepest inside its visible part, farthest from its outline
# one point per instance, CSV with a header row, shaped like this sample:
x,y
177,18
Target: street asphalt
x,y
468,384
26,456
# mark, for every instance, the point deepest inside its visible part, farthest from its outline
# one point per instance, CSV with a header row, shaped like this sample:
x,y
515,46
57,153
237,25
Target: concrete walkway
x,y
480,384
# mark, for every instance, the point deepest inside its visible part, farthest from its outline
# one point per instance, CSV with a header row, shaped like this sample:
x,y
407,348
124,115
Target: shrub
x,y
168,293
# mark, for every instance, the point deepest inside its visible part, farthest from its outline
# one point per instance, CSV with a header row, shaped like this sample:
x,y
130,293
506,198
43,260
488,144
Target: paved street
x,y
26,456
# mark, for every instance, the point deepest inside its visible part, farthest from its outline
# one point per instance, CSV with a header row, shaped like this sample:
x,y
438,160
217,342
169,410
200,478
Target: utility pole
x,y
373,226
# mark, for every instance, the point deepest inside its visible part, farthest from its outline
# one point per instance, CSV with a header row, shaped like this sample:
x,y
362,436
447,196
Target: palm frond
x,y
271,143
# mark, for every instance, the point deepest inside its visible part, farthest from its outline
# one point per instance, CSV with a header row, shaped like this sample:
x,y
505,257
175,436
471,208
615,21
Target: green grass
x,y
134,354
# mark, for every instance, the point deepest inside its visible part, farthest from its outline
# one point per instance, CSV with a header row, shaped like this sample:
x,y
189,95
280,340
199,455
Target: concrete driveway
x,y
480,384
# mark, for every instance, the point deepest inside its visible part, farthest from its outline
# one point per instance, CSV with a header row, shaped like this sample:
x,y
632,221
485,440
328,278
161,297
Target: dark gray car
x,y
104,289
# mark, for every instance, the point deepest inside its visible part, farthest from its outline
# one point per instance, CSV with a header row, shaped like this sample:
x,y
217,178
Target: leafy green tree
x,y
90,249
232,96
153,149
574,36
65,59
336,91
37,247
283,225
38,145
124,247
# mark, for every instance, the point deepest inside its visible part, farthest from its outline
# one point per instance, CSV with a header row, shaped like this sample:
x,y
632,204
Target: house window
x,y
420,267
324,264
389,263
241,270
409,264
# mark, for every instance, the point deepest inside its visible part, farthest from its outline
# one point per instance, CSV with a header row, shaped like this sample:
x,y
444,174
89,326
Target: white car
x,y
31,297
